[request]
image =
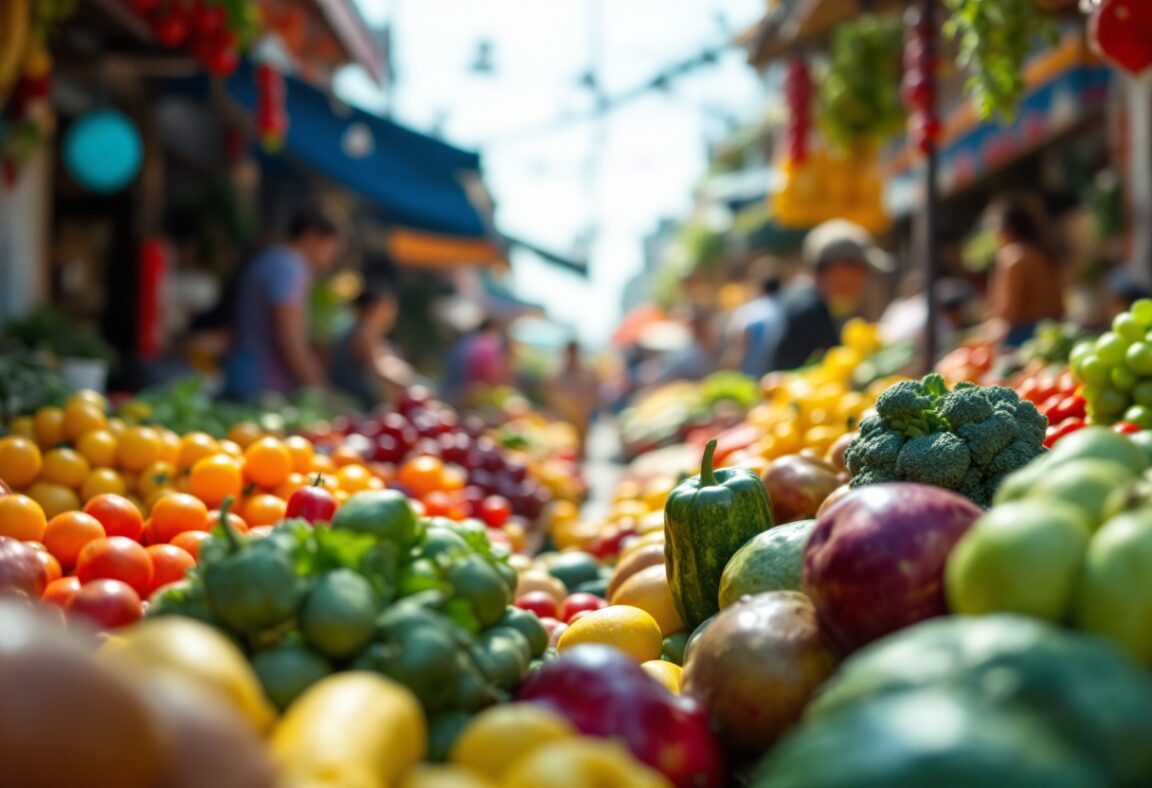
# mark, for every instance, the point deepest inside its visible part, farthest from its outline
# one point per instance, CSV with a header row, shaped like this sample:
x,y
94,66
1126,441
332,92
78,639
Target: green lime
x,y
1139,415
385,514
286,671
528,625
1123,378
1126,325
474,579
1111,347
1093,370
1142,311
1138,357
338,616
424,661
573,568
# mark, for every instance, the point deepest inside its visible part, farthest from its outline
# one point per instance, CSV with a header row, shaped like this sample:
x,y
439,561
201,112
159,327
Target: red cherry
x,y
223,61
917,91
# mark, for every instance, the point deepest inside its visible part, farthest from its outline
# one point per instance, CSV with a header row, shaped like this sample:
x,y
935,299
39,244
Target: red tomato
x,y
60,592
1066,427
314,504
555,629
169,565
116,558
1074,406
1125,428
438,504
1030,390
541,603
107,603
580,603
117,514
495,511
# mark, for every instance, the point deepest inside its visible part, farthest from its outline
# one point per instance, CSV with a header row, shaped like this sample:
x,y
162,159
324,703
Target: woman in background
x,y
362,365
1026,285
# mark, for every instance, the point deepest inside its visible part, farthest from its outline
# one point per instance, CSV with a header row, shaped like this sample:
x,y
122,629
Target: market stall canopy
x,y
418,185
635,322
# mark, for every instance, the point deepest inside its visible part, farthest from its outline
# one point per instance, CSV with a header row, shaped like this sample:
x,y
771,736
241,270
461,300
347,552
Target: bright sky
x,y
653,150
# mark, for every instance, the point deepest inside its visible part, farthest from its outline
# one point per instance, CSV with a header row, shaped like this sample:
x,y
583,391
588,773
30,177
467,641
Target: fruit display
x,y
1115,369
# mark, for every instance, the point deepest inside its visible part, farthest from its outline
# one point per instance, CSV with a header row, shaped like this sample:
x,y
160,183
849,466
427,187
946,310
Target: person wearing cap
x,y
840,257
362,365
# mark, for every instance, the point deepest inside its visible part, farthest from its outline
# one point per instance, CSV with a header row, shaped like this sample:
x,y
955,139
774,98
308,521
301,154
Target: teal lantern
x,y
103,151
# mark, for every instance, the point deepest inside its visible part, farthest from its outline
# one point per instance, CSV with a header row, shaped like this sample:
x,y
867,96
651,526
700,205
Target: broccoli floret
x,y
871,476
878,451
1031,423
988,438
974,487
903,405
1018,454
940,458
965,406
870,426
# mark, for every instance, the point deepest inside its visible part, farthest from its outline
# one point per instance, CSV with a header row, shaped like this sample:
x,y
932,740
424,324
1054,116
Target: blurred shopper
x,y
753,329
479,360
840,256
699,358
271,349
363,365
573,392
905,319
1026,285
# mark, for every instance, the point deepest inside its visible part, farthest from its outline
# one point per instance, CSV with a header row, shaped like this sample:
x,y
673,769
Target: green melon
x,y
771,561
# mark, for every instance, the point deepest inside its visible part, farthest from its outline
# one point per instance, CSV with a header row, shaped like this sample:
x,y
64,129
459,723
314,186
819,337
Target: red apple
x,y
875,561
797,486
314,504
21,569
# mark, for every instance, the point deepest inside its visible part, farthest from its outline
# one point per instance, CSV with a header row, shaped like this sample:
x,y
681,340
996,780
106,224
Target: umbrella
x,y
634,323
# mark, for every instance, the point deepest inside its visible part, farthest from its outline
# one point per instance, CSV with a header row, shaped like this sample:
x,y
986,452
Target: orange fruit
x,y
118,515
194,447
345,455
176,513
215,478
245,433
115,558
157,494
421,475
231,448
81,416
60,592
322,463
139,447
302,453
353,478
117,426
98,447
20,461
157,475
170,446
21,518
267,462
101,481
648,590
264,509
48,424
53,498
169,564
190,542
293,483
65,466
67,534
90,396
624,627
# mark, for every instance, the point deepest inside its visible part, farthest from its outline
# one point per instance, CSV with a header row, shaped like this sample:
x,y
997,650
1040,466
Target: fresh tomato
x,y
541,603
1125,428
107,603
495,511
1065,427
580,603
314,504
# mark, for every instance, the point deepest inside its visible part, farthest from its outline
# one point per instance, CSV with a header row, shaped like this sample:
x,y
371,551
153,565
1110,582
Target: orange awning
x,y
634,324
428,250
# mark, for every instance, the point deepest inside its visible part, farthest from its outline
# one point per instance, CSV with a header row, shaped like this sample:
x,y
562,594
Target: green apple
x,y
1100,443
1114,598
1085,484
1019,557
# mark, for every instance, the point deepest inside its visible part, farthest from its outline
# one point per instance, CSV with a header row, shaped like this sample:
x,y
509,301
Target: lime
x,y
286,671
1098,443
1114,596
573,568
1123,378
475,580
385,514
1086,484
338,616
672,649
1138,357
1111,347
1127,326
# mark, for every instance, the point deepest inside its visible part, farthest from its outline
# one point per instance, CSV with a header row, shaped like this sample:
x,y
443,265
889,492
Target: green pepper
x,y
250,586
707,518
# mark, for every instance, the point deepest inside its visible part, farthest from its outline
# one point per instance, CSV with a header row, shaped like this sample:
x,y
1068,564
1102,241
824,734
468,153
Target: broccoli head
x,y
967,405
988,438
910,406
941,459
876,451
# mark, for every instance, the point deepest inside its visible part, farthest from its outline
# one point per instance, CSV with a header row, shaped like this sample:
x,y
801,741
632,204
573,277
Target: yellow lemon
x,y
648,590
583,763
497,737
428,775
667,673
623,627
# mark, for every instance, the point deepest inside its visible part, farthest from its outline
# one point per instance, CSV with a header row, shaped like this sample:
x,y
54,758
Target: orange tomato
x,y
90,396
60,592
169,564
115,558
353,478
118,515
22,426
176,513
54,499
238,523
101,481
20,461
267,462
293,483
116,426
52,568
194,447
67,534
21,518
65,466
190,542
98,447
48,424
301,452
345,455
215,478
81,416
170,446
455,478
157,475
245,433
264,509
231,448
139,447
439,504
322,463
422,475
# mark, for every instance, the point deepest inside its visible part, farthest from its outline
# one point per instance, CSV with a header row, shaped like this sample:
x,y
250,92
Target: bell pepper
x,y
250,586
707,518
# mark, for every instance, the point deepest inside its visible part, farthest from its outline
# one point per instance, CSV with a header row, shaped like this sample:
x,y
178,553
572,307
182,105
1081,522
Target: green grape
x,y
1142,311
1093,370
1123,378
1127,326
1111,347
1138,357
1111,402
1142,393
1139,415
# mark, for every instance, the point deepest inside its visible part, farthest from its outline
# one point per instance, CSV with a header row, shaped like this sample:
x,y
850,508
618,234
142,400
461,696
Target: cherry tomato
x,y
580,603
1125,428
1066,427
541,603
1074,406
314,504
495,511
107,603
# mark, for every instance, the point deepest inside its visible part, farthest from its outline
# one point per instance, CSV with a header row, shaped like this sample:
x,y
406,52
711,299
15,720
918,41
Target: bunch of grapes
x,y
1116,369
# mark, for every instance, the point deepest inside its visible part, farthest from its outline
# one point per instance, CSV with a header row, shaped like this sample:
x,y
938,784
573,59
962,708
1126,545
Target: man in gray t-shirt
x,y
271,350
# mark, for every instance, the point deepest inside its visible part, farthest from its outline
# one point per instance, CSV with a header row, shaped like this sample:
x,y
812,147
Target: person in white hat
x,y
840,257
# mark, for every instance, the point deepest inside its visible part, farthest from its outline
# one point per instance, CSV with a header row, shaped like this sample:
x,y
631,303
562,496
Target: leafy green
x,y
859,96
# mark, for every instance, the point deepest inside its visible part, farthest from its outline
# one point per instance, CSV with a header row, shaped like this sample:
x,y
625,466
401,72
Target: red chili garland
x,y
200,26
919,87
271,117
798,96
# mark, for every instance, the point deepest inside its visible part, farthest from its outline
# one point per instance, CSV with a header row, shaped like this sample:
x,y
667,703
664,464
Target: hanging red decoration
x,y
211,30
1121,33
271,116
918,90
798,97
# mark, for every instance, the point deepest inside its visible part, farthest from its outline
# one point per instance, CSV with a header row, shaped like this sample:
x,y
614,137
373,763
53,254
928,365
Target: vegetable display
x,y
965,440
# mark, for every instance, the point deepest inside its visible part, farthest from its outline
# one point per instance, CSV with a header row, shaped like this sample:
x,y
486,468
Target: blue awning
x,y
413,180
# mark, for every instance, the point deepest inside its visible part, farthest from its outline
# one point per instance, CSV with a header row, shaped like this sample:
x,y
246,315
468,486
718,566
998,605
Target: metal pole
x,y
929,252
1139,93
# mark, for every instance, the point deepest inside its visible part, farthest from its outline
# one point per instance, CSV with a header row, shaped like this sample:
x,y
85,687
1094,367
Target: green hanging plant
x,y
859,97
995,37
